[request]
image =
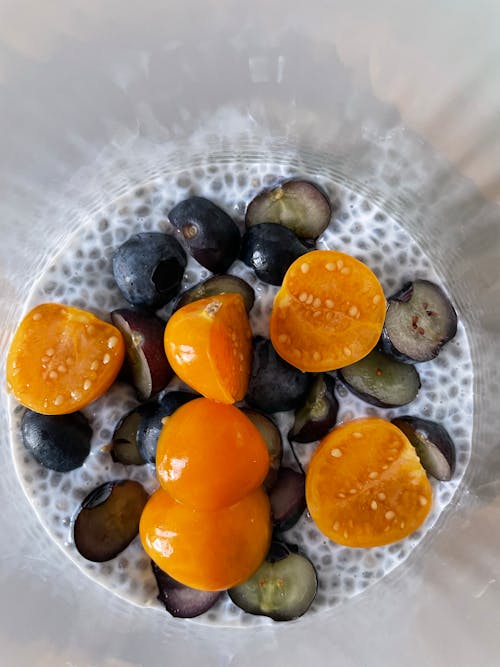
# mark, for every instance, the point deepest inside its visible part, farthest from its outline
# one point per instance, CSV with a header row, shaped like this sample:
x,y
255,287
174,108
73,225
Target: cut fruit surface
x,y
210,551
328,313
62,358
208,345
365,486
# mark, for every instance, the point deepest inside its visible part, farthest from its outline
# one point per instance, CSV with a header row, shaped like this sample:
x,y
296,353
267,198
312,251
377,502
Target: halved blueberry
x,y
108,519
420,319
298,205
282,588
381,380
181,600
433,443
145,351
318,414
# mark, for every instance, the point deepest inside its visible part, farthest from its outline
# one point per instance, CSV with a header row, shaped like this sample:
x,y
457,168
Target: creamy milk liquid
x,y
80,275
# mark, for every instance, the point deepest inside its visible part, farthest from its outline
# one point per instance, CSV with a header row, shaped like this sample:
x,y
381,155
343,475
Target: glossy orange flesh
x,y
62,358
328,313
365,486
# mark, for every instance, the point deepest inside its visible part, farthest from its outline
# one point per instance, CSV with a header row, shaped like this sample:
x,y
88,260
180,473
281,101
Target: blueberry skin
x,y
274,384
269,249
148,269
211,235
58,442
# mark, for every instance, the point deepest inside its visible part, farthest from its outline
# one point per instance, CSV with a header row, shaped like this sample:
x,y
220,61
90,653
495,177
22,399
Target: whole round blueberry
x,y
58,442
148,269
274,384
209,232
270,249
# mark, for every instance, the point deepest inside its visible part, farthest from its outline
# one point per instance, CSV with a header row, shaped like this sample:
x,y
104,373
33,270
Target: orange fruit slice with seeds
x,y
329,312
365,485
62,358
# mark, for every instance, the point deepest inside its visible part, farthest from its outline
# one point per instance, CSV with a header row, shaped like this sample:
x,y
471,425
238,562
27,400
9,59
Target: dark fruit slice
x,y
269,250
58,442
145,353
381,380
153,415
274,384
298,205
318,414
288,498
180,600
211,235
272,437
148,269
282,589
108,519
434,446
420,319
124,445
218,285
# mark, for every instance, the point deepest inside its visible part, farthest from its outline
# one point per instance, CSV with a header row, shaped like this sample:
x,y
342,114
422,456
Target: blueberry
x,y
108,519
58,442
269,249
211,235
274,384
143,335
148,269
420,319
299,205
180,600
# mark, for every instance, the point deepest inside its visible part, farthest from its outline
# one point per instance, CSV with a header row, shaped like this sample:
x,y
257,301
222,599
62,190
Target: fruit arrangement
x,y
224,500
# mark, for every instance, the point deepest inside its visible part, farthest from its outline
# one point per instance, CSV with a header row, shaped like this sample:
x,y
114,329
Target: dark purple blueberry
x,y
153,415
318,414
298,205
282,588
381,380
274,385
272,437
434,446
211,235
269,249
57,442
420,319
287,498
218,285
124,444
108,519
148,269
180,600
